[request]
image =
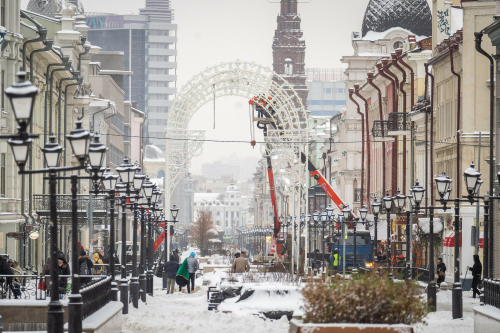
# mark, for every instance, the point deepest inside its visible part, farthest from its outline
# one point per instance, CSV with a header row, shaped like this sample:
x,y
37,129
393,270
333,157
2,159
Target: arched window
x,y
398,45
161,174
288,66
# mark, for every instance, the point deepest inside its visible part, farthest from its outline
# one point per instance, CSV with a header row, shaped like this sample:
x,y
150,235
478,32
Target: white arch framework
x,y
245,80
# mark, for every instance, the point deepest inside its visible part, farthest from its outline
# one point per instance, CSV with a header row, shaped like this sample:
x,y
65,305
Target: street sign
x,y
16,235
34,235
29,227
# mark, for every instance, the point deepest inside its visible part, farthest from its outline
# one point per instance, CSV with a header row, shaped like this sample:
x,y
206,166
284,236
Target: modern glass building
x,y
327,91
148,41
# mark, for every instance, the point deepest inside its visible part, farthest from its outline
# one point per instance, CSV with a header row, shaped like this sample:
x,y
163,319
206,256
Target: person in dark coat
x,y
441,271
171,268
476,271
5,269
192,267
63,269
84,258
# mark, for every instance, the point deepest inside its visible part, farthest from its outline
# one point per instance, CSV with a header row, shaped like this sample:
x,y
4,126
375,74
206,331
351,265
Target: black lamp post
x,y
387,200
109,181
126,171
174,211
147,189
376,210
324,220
134,282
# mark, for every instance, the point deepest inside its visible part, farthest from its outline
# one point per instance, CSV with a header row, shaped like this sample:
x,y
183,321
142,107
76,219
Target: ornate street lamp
x,y
417,193
97,152
20,149
22,96
387,200
443,183
400,200
472,180
79,139
52,152
363,212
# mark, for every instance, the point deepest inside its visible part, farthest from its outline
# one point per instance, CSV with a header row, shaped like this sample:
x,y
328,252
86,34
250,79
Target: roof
x,y
412,15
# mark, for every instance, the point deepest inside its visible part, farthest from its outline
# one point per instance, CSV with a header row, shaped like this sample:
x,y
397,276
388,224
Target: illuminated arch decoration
x,y
246,80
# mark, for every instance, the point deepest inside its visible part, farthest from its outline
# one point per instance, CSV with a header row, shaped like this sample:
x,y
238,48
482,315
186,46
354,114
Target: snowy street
x,y
182,312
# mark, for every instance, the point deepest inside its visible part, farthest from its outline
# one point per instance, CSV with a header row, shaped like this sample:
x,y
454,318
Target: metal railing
x,y
96,295
492,292
380,128
399,122
63,203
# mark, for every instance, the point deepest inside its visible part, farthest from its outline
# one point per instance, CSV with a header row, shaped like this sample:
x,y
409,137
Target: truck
x,y
364,256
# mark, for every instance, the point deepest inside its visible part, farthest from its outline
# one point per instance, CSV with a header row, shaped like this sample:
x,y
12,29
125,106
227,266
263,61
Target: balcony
x,y
380,131
100,207
162,39
399,124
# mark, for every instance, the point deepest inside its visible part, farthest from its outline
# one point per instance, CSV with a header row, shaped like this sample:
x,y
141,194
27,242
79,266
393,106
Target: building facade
x,y
327,91
148,41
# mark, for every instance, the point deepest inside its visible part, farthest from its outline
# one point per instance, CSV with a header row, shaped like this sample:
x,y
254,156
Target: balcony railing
x,y
99,209
380,131
399,124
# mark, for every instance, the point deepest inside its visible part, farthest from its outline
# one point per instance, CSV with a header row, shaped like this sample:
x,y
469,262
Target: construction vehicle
x,y
265,117
324,185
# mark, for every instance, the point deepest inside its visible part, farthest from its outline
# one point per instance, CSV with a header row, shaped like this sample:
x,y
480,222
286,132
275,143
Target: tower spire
x,y
288,7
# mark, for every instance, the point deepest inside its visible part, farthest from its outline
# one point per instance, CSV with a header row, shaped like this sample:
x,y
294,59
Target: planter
x,y
297,326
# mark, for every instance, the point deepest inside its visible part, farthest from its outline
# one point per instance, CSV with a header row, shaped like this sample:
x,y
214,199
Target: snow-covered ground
x,y
182,312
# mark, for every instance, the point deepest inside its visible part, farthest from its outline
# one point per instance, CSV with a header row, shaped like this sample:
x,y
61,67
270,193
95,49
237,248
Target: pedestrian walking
x,y
85,266
177,256
171,268
192,267
441,271
476,270
182,276
63,269
240,265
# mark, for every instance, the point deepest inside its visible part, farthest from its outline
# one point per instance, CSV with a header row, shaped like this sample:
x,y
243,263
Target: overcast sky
x,y
212,31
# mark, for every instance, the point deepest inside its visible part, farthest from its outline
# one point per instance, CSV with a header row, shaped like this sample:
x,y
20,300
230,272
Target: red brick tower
x,y
289,49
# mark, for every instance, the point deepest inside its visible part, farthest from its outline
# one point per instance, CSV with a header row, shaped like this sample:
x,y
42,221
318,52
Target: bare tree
x,y
200,228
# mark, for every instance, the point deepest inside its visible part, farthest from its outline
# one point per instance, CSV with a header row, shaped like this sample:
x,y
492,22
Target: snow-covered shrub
x,y
370,299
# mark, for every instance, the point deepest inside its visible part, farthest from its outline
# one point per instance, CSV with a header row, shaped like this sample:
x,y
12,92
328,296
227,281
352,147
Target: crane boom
x,y
324,184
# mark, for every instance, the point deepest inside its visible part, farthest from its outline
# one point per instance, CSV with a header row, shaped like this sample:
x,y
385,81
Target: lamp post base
x,y
75,314
134,291
114,291
149,282
124,295
431,297
142,286
457,301
55,313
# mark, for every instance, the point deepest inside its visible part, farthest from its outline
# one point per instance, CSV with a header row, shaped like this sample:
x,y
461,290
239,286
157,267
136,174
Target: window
x,y
2,14
117,121
116,155
2,175
161,174
340,102
398,45
340,90
357,195
2,89
327,90
127,133
227,214
288,66
328,102
314,102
